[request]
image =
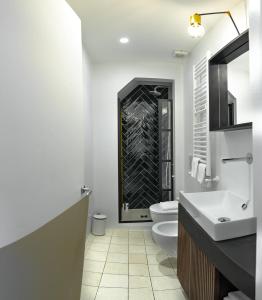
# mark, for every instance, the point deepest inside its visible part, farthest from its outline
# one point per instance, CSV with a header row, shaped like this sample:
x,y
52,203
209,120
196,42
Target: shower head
x,y
155,91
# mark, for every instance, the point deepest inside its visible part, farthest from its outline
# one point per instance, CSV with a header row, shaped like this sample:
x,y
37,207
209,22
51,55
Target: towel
x,y
169,205
201,174
237,296
194,167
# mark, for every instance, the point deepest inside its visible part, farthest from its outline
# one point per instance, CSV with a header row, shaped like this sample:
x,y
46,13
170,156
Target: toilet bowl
x,y
165,235
158,214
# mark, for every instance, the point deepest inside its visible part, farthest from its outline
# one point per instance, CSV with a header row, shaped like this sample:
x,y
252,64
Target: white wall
x,y
233,176
41,117
87,87
108,80
256,110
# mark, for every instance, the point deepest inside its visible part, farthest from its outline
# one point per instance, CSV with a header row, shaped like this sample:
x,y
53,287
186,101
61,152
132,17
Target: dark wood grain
x,y
204,283
183,258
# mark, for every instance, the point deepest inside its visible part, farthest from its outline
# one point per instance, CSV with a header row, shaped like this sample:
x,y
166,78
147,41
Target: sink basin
x,y
220,214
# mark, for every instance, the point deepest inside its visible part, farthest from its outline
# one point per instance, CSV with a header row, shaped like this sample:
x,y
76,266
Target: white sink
x,y
207,208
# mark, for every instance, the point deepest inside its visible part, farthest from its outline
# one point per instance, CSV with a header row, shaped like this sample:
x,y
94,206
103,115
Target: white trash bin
x,y
99,224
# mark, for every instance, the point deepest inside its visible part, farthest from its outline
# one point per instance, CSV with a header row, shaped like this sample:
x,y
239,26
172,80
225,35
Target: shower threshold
x,y
136,215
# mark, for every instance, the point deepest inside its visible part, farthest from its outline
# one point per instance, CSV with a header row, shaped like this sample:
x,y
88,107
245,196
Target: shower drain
x,y
223,219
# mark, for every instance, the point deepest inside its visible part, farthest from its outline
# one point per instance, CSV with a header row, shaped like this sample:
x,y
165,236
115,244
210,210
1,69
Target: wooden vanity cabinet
x,y
209,270
198,277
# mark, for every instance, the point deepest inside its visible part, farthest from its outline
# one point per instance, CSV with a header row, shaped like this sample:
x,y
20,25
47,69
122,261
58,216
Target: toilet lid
x,y
99,216
155,208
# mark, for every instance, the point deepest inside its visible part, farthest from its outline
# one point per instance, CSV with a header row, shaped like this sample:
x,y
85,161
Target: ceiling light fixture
x,y
197,30
124,40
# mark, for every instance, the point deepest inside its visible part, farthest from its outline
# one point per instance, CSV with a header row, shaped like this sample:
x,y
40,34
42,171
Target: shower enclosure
x,y
145,115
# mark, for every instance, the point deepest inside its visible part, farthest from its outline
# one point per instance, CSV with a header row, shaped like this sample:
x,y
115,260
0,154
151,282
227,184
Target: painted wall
x,y
108,80
255,109
228,144
41,117
87,87
48,263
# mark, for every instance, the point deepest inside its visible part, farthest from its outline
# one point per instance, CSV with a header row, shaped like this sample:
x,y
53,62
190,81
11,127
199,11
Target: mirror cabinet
x,y
229,86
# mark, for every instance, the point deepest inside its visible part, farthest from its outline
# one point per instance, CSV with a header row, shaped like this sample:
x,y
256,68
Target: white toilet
x,y
161,214
165,229
165,235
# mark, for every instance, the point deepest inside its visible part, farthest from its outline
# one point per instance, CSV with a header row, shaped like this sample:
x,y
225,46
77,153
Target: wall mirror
x,y
229,89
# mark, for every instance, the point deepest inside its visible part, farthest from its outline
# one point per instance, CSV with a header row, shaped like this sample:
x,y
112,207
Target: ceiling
x,y
155,27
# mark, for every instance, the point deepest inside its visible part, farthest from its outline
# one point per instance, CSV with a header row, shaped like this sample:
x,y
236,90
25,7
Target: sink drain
x,y
223,219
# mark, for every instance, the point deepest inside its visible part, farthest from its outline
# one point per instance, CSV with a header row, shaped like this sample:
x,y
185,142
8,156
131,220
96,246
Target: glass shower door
x,y
166,166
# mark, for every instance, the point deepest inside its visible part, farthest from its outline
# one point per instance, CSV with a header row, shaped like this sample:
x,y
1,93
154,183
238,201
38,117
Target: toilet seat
x,y
168,229
165,235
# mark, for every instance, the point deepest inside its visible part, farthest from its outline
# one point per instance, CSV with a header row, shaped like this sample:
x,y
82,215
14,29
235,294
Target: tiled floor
x,y
127,265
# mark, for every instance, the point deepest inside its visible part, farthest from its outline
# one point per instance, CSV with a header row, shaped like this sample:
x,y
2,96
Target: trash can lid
x,y
99,217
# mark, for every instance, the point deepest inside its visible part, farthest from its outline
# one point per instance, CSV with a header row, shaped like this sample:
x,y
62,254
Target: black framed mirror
x,y
229,86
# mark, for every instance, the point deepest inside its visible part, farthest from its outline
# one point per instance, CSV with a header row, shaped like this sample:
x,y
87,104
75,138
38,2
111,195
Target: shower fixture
x,y
155,92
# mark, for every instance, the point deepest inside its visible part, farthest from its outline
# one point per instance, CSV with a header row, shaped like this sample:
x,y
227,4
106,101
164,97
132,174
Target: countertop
x,y
235,258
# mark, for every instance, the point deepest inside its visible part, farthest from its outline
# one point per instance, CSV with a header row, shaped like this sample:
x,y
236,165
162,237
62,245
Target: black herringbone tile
x,y
140,146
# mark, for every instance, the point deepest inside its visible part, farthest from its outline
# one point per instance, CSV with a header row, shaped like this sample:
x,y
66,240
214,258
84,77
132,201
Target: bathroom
x,y
65,140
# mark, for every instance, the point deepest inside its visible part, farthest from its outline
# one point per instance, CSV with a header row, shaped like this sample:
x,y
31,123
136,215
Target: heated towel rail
x,y
201,143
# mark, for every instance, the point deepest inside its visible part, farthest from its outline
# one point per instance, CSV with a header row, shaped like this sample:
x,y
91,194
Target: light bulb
x,y
196,30
124,40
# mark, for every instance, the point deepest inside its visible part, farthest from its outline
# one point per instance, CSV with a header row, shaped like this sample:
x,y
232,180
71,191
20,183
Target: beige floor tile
x,y
136,258
137,249
120,232
90,238
117,240
173,261
118,281
137,282
156,259
136,234
109,232
147,233
165,283
161,270
153,249
149,242
138,270
118,248
141,294
117,258
95,255
91,278
102,239
170,295
98,247
88,292
116,268
112,294
134,241
93,266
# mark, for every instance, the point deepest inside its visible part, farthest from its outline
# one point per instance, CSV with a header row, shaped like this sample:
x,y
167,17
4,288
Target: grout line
x,y
150,278
104,267
128,265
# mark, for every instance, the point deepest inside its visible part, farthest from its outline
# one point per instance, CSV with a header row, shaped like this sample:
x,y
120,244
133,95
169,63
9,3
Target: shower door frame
x,y
171,160
121,94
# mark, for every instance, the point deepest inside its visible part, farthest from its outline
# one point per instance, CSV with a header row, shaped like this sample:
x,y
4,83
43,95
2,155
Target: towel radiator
x,y
201,141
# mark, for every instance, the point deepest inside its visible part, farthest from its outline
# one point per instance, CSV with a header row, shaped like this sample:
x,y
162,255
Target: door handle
x,y
86,189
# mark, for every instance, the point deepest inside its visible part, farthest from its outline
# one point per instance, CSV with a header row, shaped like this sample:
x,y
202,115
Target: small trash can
x,y
99,224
